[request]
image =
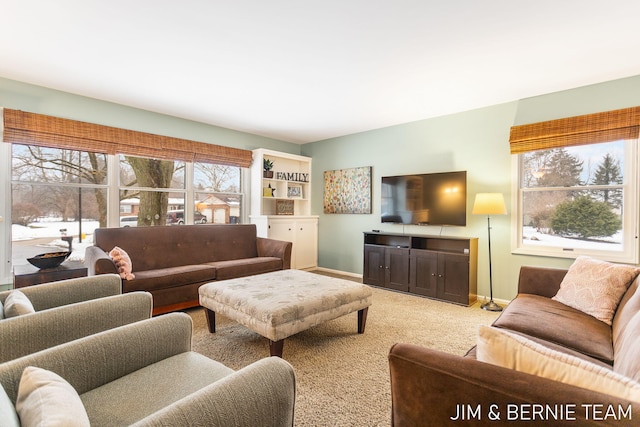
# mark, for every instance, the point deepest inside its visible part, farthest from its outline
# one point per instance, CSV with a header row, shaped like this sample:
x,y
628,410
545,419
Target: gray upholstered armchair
x,y
145,374
63,292
68,310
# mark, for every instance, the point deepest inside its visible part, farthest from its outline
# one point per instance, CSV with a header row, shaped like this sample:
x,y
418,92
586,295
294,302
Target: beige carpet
x,y
343,377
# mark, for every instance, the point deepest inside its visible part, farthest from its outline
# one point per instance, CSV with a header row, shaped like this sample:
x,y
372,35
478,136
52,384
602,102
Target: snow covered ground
x,y
45,237
535,238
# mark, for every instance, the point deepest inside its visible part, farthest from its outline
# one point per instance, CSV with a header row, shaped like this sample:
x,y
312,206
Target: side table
x,y
27,275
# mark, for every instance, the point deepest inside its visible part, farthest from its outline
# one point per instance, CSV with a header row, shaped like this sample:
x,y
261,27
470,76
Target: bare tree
x,y
219,177
50,166
152,173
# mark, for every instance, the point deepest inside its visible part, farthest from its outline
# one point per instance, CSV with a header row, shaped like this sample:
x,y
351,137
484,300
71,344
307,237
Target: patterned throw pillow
x,y
596,287
123,263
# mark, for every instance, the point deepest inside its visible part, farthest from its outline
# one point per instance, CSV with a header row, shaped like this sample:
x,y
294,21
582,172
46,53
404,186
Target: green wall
x,y
475,141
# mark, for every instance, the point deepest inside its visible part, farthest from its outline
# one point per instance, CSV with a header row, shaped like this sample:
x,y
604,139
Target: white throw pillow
x,y
17,304
7,411
46,399
596,287
513,351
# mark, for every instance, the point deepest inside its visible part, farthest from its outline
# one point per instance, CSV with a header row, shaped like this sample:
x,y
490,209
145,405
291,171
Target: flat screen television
x,y
425,199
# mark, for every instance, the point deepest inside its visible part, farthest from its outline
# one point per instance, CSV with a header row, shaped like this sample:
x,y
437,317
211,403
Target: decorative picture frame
x,y
284,207
294,191
347,191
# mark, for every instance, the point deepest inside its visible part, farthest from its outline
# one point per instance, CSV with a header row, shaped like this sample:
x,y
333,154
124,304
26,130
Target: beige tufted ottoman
x,y
282,303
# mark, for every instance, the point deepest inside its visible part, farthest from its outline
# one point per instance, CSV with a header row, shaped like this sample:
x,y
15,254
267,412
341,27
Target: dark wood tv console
x,y
444,268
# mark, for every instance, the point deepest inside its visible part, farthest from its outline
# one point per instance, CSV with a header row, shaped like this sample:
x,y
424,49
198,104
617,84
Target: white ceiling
x,y
307,70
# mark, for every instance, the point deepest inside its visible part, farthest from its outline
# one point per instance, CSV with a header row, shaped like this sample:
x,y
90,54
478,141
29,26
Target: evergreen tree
x,y
584,218
608,173
548,168
561,170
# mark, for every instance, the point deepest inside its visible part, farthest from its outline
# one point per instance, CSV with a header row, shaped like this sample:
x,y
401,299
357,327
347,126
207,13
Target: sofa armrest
x,y
70,291
95,360
428,388
543,281
275,248
259,395
98,261
30,333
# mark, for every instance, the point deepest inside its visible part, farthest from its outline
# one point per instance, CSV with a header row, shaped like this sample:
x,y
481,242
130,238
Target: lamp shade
x,y
489,204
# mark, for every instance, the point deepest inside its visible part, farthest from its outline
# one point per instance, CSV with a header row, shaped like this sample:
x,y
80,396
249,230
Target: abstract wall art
x,y
347,191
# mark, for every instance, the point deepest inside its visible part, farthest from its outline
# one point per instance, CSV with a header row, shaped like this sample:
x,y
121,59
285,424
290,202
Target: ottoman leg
x,y
362,319
275,348
211,319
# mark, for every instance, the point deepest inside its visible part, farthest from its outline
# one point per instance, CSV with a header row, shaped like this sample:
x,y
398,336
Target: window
x,y
152,189
71,177
58,192
578,199
55,192
218,194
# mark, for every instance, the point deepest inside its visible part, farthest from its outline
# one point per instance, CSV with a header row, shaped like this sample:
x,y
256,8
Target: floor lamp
x,y
489,204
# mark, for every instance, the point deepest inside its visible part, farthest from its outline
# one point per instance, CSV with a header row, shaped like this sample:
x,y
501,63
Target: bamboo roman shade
x,y
579,130
37,129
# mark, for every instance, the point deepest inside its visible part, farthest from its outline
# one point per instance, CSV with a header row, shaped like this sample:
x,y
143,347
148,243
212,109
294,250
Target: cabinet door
x,y
453,278
306,240
374,271
397,269
284,229
281,230
423,279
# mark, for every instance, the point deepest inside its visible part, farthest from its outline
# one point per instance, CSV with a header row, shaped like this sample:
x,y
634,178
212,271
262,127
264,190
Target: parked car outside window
x,y
177,217
128,221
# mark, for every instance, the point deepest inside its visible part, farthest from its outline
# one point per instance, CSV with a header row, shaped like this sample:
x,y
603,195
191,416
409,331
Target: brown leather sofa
x,y
172,262
430,387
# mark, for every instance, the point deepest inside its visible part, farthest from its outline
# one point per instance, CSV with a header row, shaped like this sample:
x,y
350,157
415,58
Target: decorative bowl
x,y
49,260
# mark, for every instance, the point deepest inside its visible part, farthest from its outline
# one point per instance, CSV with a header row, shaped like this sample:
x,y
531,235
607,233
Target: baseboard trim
x,y
340,272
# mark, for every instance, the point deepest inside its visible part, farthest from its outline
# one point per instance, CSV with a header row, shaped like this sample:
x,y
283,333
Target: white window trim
x,y
630,252
5,209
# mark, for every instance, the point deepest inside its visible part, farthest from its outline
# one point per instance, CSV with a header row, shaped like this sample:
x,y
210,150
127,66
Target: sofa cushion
x,y
8,413
627,350
152,388
245,267
512,351
628,308
151,248
472,352
17,304
46,399
163,278
550,320
595,287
